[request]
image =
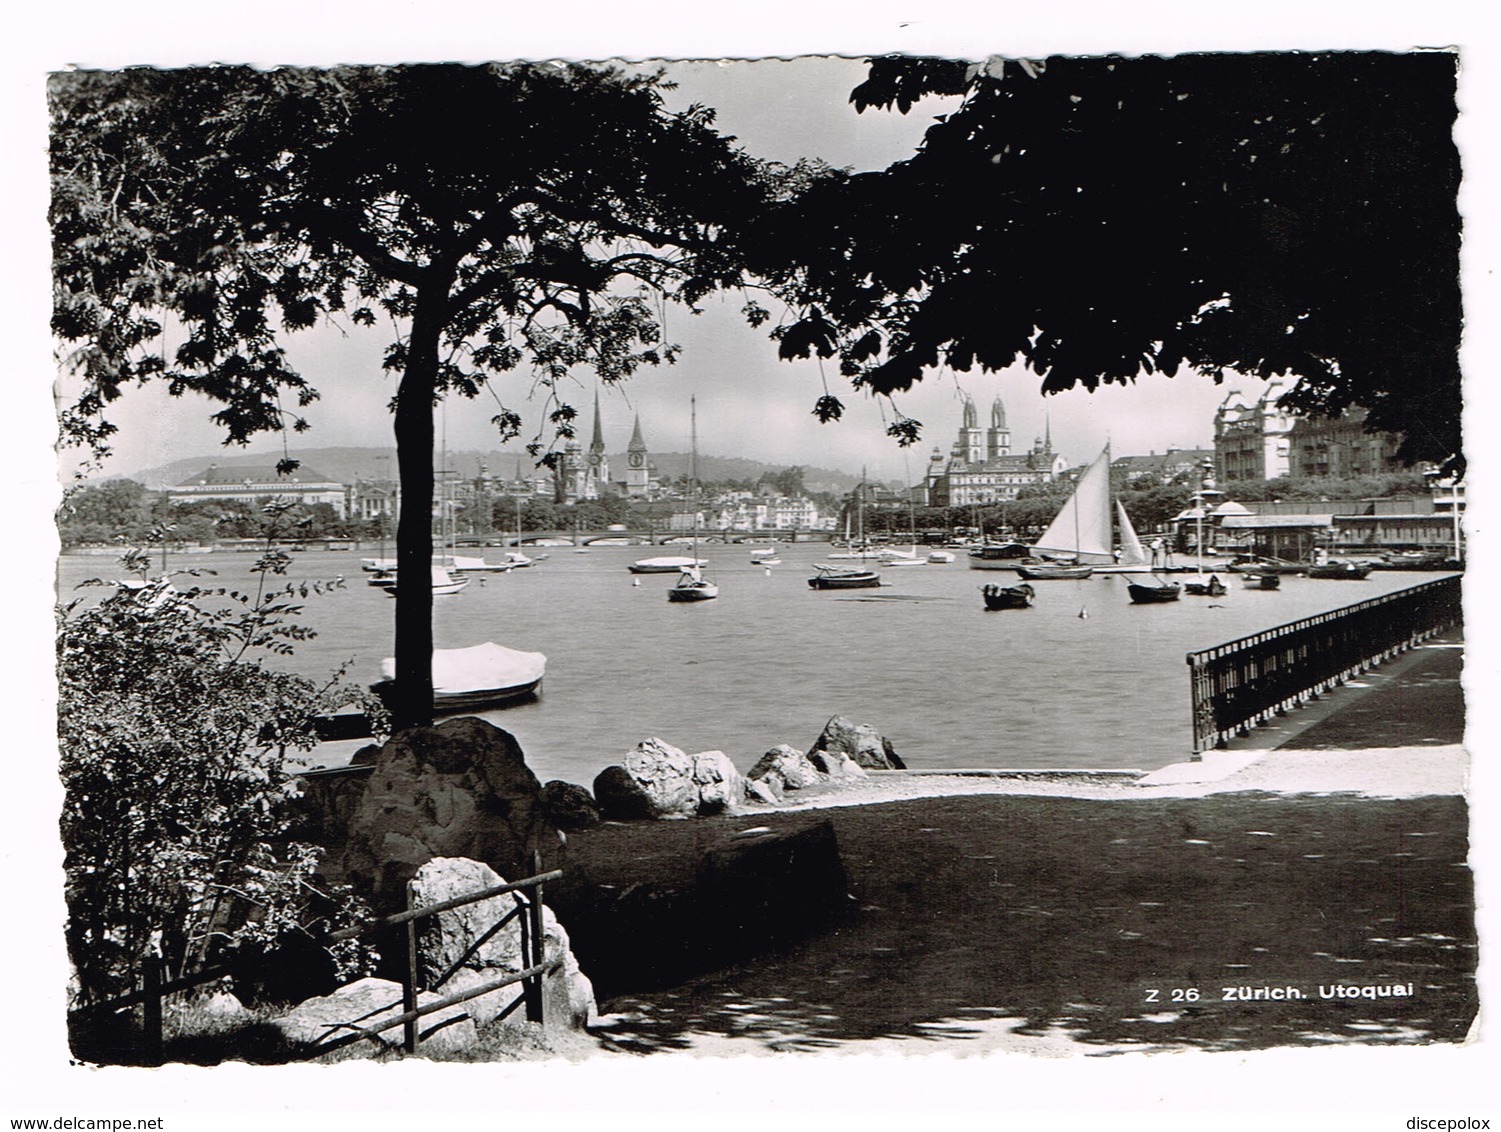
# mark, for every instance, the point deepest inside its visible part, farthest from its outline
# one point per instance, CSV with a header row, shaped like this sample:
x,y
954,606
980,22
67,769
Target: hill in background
x,y
347,465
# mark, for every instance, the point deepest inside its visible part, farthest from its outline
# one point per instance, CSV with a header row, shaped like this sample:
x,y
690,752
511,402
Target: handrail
x,y
445,906
533,945
1246,681
410,1016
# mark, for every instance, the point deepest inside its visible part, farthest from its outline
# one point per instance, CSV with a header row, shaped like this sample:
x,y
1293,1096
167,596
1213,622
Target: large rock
x,y
767,791
365,1005
569,807
660,781
721,789
620,796
784,768
460,789
446,944
859,741
837,766
700,903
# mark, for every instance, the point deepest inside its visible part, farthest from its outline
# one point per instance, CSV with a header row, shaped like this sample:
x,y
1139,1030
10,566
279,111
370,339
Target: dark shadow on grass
x,y
1067,914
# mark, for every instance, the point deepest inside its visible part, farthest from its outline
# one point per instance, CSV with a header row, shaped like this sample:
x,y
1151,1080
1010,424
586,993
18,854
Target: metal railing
x,y
1248,681
528,909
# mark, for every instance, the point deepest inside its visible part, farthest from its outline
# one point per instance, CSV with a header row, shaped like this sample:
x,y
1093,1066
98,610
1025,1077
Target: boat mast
x,y
860,507
693,471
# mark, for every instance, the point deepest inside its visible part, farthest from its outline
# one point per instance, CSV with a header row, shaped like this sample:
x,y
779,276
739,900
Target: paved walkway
x,y
1412,700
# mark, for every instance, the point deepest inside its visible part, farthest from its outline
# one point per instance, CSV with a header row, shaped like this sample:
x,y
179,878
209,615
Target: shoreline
x,y
1388,772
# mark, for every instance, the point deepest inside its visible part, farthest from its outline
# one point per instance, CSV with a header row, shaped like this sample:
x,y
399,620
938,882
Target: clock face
x,y
635,459
594,460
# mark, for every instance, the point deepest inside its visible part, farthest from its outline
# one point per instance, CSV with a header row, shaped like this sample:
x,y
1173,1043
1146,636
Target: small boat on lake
x,y
443,583
939,557
693,586
1339,569
1263,581
842,578
900,558
469,564
1264,565
1213,587
1143,593
667,564
1052,571
996,555
477,678
1008,597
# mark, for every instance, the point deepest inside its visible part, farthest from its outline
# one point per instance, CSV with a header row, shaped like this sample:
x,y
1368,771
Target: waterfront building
x,y
369,500
1255,439
745,511
1341,447
259,485
1161,468
1252,435
980,466
1294,528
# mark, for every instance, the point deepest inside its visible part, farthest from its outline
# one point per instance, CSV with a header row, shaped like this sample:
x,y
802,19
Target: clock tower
x,y
638,474
598,472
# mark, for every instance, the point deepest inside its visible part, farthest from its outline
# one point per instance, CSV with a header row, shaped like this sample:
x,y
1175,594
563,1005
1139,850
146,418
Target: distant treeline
x,y
125,511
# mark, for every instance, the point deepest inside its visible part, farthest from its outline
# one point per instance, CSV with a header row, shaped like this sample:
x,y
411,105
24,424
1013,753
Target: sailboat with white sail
x,y
1081,532
692,585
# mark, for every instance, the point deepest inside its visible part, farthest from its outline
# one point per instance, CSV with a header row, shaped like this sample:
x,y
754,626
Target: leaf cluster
x,y
507,216
176,782
1100,218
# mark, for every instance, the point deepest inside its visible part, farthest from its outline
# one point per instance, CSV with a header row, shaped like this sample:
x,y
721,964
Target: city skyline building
x,y
980,466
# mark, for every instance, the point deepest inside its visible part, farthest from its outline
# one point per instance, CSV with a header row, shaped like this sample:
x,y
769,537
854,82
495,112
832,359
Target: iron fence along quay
x,y
1247,681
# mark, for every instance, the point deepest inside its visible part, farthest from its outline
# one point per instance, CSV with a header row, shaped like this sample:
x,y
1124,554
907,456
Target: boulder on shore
x,y
660,781
569,806
446,945
460,789
620,796
784,768
860,741
721,790
837,766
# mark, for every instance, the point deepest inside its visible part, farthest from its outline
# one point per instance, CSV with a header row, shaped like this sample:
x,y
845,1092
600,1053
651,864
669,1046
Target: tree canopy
x,y
1100,218
500,218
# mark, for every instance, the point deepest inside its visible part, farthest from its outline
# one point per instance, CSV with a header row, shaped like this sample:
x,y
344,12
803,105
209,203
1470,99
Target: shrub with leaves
x,y
175,740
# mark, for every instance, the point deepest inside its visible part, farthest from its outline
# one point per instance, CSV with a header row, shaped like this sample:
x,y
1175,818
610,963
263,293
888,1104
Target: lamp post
x,y
1206,491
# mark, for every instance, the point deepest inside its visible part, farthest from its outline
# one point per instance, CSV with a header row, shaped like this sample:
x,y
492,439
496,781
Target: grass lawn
x,y
1067,913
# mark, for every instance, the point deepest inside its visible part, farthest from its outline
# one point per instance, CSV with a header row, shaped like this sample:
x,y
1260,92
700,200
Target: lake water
x,y
769,662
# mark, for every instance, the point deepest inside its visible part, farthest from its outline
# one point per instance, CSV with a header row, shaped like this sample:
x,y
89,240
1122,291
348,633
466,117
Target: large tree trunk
x,y
413,706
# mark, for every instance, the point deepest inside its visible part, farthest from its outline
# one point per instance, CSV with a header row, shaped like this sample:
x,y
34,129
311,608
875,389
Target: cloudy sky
x,y
749,403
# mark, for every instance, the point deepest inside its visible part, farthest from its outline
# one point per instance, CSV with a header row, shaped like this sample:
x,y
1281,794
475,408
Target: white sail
x,y
1082,527
1132,553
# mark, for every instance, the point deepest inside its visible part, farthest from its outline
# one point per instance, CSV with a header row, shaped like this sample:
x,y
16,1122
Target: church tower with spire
x,y
971,437
998,436
598,472
638,471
